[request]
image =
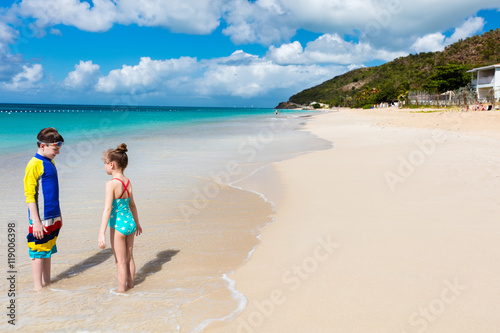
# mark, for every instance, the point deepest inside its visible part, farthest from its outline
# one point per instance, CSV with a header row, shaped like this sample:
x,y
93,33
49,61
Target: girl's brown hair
x,y
117,155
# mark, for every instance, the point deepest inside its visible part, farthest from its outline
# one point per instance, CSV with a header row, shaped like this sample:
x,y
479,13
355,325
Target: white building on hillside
x,y
486,81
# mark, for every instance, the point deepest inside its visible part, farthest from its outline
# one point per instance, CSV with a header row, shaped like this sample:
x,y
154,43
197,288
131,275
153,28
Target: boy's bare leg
x,y
37,268
46,271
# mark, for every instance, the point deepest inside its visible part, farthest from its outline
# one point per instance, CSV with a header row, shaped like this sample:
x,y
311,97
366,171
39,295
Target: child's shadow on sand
x,y
154,266
88,263
151,267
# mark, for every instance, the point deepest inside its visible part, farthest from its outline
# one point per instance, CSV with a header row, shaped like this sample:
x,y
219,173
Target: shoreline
x,y
235,184
317,275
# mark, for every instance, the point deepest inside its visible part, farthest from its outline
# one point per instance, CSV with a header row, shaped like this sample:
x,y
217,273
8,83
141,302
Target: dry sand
x,y
395,229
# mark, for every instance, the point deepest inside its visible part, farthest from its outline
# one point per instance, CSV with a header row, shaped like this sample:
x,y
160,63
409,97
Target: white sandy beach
x,y
395,229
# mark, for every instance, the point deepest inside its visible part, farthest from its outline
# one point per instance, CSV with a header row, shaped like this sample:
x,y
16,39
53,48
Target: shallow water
x,y
197,226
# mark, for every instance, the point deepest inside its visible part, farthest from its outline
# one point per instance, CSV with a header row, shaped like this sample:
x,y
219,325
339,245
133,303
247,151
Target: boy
x,y
44,215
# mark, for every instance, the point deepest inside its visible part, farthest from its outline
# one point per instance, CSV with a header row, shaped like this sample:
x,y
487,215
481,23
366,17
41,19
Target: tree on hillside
x,y
447,77
387,93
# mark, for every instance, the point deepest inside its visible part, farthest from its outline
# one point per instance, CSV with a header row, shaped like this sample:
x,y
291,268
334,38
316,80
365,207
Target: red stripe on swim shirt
x,y
50,228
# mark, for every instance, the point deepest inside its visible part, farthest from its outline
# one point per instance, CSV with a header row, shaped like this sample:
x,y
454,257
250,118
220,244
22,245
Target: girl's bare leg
x,y
131,263
118,243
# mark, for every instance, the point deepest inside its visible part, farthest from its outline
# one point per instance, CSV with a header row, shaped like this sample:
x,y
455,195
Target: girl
x,y
120,213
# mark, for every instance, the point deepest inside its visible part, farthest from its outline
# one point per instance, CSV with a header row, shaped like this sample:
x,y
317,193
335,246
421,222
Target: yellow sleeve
x,y
34,170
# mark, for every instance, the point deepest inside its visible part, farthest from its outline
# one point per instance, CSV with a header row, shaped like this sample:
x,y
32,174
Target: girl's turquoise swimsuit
x,y
121,218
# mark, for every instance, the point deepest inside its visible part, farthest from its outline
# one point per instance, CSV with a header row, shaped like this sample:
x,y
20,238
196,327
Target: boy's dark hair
x,y
118,155
49,135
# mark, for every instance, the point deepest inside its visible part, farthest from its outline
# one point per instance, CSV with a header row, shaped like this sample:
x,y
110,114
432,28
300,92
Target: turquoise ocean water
x,y
21,122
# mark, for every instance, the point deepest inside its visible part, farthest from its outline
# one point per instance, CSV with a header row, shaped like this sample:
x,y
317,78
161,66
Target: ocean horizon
x,y
21,122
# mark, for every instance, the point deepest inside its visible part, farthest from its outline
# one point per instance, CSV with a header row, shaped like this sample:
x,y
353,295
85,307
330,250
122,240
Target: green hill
x,y
431,71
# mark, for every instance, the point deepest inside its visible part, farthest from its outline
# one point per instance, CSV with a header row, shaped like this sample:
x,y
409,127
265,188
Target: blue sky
x,y
212,53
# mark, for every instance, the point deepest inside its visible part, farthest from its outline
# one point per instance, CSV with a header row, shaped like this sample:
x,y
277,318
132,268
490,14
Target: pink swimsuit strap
x,y
125,187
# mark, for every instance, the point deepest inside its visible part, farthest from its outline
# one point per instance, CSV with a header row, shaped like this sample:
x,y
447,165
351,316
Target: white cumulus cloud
x,y
429,43
262,21
241,75
85,76
56,32
98,17
245,75
394,24
186,16
388,24
472,26
10,65
7,35
329,49
149,75
28,78
288,53
438,41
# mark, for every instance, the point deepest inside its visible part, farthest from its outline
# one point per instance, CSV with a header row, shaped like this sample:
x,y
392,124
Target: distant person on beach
x,y
44,215
120,213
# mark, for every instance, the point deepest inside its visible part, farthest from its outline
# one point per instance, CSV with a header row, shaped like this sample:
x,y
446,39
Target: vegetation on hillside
x,y
435,72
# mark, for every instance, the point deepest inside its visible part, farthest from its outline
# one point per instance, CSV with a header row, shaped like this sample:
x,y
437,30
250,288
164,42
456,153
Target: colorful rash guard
x,y
41,178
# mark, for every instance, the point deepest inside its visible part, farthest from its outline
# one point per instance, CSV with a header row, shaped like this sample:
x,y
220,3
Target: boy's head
x,y
50,136
49,142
